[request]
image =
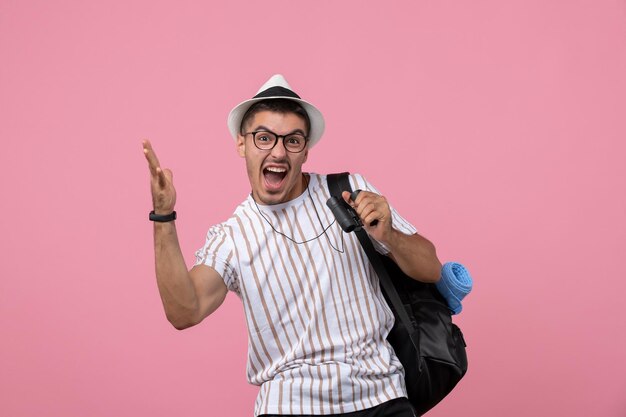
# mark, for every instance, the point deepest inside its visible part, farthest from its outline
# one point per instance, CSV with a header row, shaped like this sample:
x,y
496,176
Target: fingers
x,y
153,161
161,177
164,176
346,197
161,185
369,213
370,207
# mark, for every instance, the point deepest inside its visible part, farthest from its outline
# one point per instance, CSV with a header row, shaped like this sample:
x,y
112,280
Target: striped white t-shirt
x,y
316,318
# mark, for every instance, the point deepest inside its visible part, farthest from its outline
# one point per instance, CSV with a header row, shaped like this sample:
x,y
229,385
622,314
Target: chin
x,y
268,198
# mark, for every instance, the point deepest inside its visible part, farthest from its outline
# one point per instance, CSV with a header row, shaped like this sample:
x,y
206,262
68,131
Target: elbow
x,y
182,321
430,277
433,278
435,272
430,274
426,266
181,325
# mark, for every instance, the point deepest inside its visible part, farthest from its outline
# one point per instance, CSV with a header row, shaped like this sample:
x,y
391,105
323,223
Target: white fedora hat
x,y
277,87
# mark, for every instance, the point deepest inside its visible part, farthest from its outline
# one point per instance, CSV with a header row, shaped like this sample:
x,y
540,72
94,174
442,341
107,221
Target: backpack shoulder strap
x,y
338,183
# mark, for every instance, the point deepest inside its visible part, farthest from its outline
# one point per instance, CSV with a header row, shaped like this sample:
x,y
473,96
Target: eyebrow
x,y
263,128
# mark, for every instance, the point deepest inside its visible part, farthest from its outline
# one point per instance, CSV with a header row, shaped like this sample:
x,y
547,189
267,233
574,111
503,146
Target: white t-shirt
x,y
317,320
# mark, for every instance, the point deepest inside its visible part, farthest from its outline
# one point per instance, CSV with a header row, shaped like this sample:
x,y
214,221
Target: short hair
x,y
278,105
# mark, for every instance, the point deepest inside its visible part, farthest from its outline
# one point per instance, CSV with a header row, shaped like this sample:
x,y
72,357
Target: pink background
x,y
497,128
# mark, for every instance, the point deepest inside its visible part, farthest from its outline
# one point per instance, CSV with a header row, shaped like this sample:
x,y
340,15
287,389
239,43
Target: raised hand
x,y
161,184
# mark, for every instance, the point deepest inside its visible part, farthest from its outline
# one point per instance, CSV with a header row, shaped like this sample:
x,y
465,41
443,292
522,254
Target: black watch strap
x,y
162,217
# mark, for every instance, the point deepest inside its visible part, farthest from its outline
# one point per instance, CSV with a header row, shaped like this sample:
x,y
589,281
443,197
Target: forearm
x,y
415,255
176,288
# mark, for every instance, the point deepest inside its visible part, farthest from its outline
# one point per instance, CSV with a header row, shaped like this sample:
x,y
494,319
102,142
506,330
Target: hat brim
x,y
316,119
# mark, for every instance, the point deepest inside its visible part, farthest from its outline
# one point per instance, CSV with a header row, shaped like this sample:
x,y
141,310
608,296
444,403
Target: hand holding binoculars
x,y
346,216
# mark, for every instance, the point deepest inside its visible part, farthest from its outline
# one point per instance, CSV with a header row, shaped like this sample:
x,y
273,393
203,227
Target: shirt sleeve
x,y
218,254
357,181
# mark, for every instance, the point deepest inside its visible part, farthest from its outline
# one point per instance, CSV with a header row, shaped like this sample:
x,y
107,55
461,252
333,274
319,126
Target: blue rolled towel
x,y
455,283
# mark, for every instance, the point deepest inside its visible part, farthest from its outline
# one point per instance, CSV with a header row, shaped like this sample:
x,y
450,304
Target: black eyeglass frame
x,y
306,140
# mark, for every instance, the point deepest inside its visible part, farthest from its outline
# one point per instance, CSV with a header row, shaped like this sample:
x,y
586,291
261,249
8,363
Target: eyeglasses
x,y
266,140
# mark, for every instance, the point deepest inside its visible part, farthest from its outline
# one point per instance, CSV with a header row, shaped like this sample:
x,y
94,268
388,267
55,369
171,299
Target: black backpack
x,y
430,347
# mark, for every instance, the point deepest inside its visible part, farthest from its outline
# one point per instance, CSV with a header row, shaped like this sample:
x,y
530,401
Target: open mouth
x,y
274,177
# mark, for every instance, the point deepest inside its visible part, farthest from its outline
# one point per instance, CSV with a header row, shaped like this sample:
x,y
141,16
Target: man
x,y
316,318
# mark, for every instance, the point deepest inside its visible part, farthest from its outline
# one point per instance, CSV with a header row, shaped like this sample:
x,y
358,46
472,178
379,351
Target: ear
x,y
306,155
241,145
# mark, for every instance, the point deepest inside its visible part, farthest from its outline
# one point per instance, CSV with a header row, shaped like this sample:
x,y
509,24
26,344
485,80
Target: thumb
x,y
346,197
169,174
164,176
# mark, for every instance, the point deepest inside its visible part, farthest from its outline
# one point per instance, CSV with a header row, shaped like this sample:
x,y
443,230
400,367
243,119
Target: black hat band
x,y
277,91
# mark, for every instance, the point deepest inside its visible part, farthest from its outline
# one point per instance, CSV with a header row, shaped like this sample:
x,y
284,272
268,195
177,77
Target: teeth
x,y
274,169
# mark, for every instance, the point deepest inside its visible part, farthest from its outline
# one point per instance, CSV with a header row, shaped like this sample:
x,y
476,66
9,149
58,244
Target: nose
x,y
279,150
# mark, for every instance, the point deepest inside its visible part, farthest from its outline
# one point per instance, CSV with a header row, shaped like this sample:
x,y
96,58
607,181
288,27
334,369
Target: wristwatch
x,y
162,218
